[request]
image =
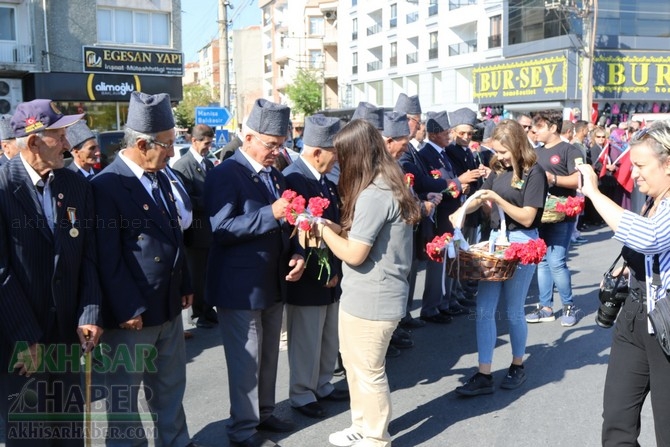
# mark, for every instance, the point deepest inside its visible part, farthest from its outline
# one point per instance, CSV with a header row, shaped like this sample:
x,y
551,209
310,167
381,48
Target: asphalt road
x,y
559,405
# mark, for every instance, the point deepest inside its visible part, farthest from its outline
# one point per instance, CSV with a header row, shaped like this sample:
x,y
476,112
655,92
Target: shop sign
x,y
538,78
631,75
133,61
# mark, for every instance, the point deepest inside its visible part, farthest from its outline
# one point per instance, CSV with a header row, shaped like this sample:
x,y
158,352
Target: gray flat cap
x,y
396,125
269,118
370,113
78,133
6,131
150,113
437,122
320,130
489,127
408,104
463,116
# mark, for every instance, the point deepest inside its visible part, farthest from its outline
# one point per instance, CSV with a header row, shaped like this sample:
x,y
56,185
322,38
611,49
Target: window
x,y
315,59
354,29
7,24
354,2
393,61
133,27
316,26
495,30
432,50
432,8
394,16
354,63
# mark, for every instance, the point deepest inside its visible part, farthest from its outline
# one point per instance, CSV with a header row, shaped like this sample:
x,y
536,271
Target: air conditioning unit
x,y
11,94
330,15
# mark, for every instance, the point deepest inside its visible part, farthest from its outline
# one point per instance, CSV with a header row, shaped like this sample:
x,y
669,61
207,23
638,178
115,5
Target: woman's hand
x,y
589,179
489,196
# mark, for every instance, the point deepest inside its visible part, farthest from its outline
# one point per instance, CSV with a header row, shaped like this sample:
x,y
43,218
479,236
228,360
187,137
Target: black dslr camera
x,y
612,294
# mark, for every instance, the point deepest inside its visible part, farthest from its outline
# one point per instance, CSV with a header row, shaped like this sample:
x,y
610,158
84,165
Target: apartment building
x,y
89,55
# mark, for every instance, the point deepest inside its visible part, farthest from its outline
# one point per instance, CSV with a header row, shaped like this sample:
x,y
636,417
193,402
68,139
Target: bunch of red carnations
x,y
530,252
435,249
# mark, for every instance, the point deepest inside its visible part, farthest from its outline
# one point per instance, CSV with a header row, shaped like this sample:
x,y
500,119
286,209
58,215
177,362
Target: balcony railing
x,y
412,17
495,41
354,69
393,61
14,53
432,10
412,58
374,66
374,29
393,22
432,53
463,48
455,4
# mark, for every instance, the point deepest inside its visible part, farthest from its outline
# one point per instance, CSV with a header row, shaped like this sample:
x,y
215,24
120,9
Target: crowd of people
x,y
105,262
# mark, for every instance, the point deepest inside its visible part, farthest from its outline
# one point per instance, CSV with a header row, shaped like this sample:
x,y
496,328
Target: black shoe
x,y
276,425
256,440
204,323
515,377
437,318
477,385
467,302
312,410
411,323
337,396
400,342
455,309
402,333
392,352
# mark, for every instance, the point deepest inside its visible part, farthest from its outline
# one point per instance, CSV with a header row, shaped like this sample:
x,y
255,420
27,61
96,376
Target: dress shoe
x,y
401,342
276,425
467,302
256,440
402,333
455,309
204,323
312,410
437,318
337,396
411,323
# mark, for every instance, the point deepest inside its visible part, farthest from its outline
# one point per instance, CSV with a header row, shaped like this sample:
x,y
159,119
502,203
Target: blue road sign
x,y
221,137
212,116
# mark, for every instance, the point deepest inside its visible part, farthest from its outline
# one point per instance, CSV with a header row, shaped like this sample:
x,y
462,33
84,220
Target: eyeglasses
x,y
269,146
527,127
165,146
600,136
640,134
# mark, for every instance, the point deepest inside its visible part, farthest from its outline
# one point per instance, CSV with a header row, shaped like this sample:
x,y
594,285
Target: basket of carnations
x,y
489,261
303,215
556,209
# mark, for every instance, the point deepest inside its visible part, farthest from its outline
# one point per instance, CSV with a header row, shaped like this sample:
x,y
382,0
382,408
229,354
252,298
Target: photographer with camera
x,y
638,365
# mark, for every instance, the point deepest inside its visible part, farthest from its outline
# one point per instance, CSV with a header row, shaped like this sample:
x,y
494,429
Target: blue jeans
x,y
554,268
514,292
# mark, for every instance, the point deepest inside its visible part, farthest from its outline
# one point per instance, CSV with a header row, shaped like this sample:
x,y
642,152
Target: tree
x,y
194,96
305,92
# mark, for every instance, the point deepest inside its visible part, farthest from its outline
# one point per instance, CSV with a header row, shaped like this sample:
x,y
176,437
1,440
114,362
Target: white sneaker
x,y
345,438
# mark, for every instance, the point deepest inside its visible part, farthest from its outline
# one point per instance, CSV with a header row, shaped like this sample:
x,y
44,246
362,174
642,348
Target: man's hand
x,y
134,324
435,197
469,176
89,336
186,301
428,207
29,360
279,208
298,264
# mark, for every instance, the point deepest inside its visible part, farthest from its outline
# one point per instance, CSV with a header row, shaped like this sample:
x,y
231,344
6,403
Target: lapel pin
x,y
146,207
60,195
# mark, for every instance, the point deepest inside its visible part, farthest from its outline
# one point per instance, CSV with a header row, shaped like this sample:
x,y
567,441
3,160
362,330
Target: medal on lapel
x,y
72,217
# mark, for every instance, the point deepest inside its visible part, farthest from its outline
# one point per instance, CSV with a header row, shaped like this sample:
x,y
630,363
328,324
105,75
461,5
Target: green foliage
x,y
194,96
305,92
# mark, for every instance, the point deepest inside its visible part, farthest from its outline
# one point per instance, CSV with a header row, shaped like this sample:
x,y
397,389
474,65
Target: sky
x,y
200,26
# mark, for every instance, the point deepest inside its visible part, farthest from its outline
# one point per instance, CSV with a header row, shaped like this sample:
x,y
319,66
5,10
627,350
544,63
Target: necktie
x,y
156,193
324,188
265,176
445,160
180,189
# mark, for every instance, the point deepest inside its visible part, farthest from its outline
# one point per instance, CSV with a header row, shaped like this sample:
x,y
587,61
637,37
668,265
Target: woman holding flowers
x,y
518,186
374,242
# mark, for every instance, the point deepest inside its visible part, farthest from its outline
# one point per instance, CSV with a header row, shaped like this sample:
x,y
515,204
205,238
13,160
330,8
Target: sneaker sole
x,y
542,320
477,392
568,324
513,386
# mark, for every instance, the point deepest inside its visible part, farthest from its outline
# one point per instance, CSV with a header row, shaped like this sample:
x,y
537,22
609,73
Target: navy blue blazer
x,y
449,204
192,176
248,261
3,160
310,290
142,263
411,162
48,281
73,167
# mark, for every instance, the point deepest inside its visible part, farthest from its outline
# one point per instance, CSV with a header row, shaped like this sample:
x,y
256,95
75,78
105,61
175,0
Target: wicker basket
x,y
550,215
478,264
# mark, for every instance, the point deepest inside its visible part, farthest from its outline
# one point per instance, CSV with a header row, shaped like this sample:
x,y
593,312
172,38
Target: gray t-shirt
x,y
377,289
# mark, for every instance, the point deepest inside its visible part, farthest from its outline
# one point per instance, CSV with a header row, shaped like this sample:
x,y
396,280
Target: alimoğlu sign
x,y
133,61
539,78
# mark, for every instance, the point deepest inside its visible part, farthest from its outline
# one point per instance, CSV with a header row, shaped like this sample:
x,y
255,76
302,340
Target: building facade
x,y
89,59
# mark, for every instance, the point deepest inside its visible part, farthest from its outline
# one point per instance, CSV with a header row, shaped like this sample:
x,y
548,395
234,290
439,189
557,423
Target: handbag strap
x,y
616,261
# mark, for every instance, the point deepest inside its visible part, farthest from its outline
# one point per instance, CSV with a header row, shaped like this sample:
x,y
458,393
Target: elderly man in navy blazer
x,y
7,140
249,265
50,295
145,279
313,302
85,150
